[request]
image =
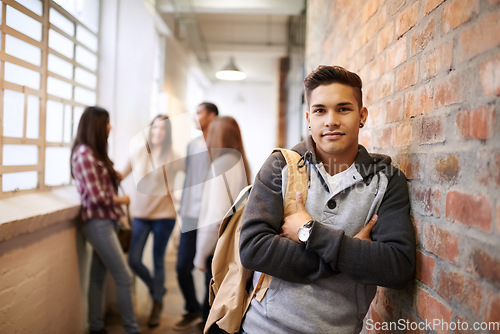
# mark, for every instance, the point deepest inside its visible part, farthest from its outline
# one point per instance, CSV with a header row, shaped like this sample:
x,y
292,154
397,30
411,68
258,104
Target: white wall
x,y
128,49
255,108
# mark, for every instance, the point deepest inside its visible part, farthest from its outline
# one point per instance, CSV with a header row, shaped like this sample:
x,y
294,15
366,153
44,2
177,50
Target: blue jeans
x,y
185,266
161,228
108,255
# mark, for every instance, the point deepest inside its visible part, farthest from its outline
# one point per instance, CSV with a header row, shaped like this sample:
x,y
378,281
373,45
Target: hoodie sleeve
x,y
261,246
389,260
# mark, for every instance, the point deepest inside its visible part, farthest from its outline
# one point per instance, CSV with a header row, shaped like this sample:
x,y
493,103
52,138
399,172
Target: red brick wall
x,y
431,73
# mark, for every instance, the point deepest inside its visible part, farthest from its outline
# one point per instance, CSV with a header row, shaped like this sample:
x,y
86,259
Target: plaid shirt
x,y
94,186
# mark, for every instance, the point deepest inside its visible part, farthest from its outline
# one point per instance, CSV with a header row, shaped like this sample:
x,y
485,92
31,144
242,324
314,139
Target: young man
x,y
197,164
324,264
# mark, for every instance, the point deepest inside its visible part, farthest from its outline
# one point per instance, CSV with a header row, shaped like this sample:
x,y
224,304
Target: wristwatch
x,y
304,231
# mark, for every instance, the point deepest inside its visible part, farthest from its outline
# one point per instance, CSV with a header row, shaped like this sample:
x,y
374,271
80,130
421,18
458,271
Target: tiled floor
x,y
173,303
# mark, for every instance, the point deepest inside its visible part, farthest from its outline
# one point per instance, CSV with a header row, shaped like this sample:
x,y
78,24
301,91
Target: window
x,y
48,75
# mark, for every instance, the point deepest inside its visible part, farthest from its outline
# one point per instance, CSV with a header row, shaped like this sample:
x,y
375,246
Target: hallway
x,y
173,302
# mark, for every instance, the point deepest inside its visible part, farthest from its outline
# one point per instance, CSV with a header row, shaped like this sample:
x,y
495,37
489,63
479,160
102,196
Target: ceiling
x,y
251,31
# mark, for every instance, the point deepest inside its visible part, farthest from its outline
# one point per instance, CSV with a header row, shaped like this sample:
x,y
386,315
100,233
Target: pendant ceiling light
x,y
230,72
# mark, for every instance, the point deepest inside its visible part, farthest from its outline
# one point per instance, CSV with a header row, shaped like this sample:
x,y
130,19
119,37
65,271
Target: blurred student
x,y
228,175
152,208
197,163
97,183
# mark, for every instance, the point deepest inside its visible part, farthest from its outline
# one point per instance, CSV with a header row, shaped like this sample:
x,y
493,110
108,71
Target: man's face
x,y
334,118
204,118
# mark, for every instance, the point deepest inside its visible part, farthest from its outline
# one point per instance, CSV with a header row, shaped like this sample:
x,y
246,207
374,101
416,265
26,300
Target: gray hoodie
x,y
328,285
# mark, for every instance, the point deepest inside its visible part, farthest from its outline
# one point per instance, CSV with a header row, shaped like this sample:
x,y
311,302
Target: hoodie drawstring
x,y
305,161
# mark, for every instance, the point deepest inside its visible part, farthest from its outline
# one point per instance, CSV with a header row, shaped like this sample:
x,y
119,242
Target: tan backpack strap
x,y
297,180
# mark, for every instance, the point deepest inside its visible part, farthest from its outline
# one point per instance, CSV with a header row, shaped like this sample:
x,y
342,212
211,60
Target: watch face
x,y
303,234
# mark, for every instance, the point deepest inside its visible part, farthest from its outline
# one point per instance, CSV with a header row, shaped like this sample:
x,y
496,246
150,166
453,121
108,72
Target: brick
x,y
437,60
447,91
454,286
368,52
407,19
497,220
478,124
419,101
457,13
384,139
368,94
401,135
494,2
394,110
483,122
441,243
407,76
425,268
430,5
396,54
426,201
377,68
486,266
417,223
432,130
372,27
369,9
422,37
492,306
410,166
447,168
469,43
413,327
393,6
496,169
385,37
462,328
469,209
489,76
385,303
429,308
385,85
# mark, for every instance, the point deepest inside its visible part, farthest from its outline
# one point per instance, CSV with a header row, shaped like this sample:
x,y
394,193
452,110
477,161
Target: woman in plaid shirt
x,y
97,184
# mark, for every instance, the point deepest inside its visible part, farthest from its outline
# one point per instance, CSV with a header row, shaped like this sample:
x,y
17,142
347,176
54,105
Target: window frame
x,y
42,93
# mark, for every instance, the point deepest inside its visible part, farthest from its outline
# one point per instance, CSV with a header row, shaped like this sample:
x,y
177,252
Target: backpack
x,y
228,290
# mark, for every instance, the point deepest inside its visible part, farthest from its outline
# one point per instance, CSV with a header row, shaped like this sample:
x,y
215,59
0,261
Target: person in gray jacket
x,y
328,258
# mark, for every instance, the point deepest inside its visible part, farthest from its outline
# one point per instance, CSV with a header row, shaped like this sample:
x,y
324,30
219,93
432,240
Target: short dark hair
x,y
210,107
325,75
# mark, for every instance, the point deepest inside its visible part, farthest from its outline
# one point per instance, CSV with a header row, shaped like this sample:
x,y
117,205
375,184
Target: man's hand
x,y
364,234
293,222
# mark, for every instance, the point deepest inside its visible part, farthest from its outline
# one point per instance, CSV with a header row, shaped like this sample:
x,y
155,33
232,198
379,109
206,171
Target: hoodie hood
x,y
367,164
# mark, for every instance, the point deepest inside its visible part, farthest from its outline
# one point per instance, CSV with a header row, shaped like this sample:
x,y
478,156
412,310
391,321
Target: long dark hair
x,y
166,145
224,132
92,131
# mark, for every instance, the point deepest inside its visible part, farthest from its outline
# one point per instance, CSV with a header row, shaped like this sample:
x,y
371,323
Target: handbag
x,y
125,228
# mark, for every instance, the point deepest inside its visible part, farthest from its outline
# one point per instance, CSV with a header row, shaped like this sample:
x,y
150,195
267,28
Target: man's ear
x,y
363,113
307,117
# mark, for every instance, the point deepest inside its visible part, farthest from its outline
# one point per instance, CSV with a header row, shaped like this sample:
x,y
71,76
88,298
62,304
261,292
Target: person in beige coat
x,y
154,164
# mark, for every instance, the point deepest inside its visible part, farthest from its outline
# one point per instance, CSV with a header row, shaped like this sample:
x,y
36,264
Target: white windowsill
x,y
31,212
